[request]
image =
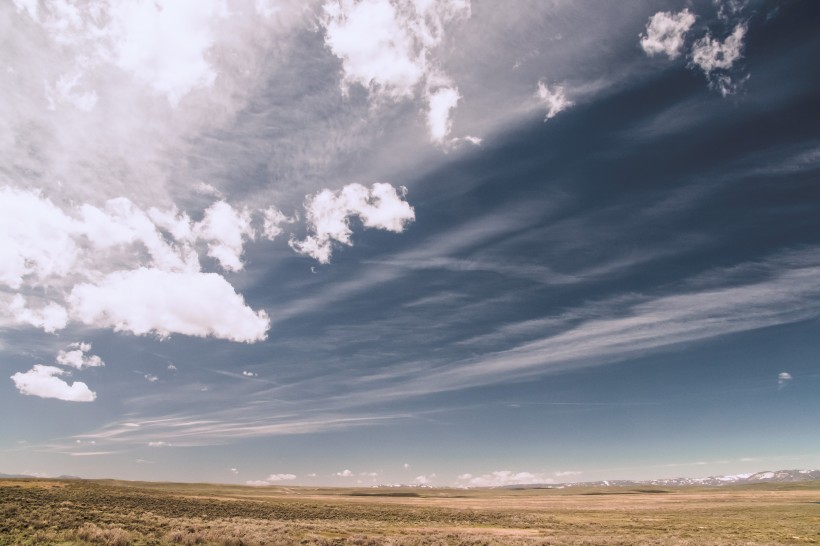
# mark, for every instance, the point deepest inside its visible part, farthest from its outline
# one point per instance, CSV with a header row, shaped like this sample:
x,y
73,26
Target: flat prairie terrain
x,y
77,512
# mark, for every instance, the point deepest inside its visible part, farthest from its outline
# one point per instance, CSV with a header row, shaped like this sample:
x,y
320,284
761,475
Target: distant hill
x,y
62,477
767,476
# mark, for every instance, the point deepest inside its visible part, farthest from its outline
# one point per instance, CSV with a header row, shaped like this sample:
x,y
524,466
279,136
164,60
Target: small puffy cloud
x,y
172,368
43,381
329,213
225,229
665,33
345,473
280,477
146,301
406,465
158,444
500,478
273,220
553,98
312,475
783,378
424,480
151,378
234,470
75,356
270,480
249,374
710,54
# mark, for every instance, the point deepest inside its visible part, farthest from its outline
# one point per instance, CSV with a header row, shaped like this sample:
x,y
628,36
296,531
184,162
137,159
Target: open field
x,y
75,512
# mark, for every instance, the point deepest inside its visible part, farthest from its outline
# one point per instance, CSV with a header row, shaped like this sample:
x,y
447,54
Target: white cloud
x,y
234,470
280,477
424,480
225,229
564,473
164,43
328,215
159,443
151,378
406,465
42,381
250,374
390,47
344,473
554,99
50,318
35,238
710,54
273,220
144,301
665,32
783,378
715,58
172,367
29,6
441,103
75,356
501,478
270,480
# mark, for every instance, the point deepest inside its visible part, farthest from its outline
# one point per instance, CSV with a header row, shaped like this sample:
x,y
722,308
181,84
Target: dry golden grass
x,y
73,513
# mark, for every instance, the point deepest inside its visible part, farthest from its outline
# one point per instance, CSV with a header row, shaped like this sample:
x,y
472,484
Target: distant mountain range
x,y
767,476
63,477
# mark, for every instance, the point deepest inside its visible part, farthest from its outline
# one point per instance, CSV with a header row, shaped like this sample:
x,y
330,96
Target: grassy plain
x,y
81,512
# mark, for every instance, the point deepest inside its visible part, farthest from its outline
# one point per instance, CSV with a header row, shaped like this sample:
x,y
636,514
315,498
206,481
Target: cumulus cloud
x,y
665,33
554,99
500,478
346,473
249,374
424,480
226,230
76,356
161,44
390,47
783,378
270,480
149,300
716,58
44,381
710,54
50,317
35,238
328,216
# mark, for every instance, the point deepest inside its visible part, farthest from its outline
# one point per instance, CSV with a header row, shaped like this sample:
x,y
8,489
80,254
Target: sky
x,y
430,242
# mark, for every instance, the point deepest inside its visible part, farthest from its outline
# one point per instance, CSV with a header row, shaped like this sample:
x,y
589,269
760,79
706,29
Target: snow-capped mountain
x,y
777,476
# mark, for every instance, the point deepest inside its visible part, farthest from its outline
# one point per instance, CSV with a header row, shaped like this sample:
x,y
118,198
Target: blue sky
x,y
384,241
